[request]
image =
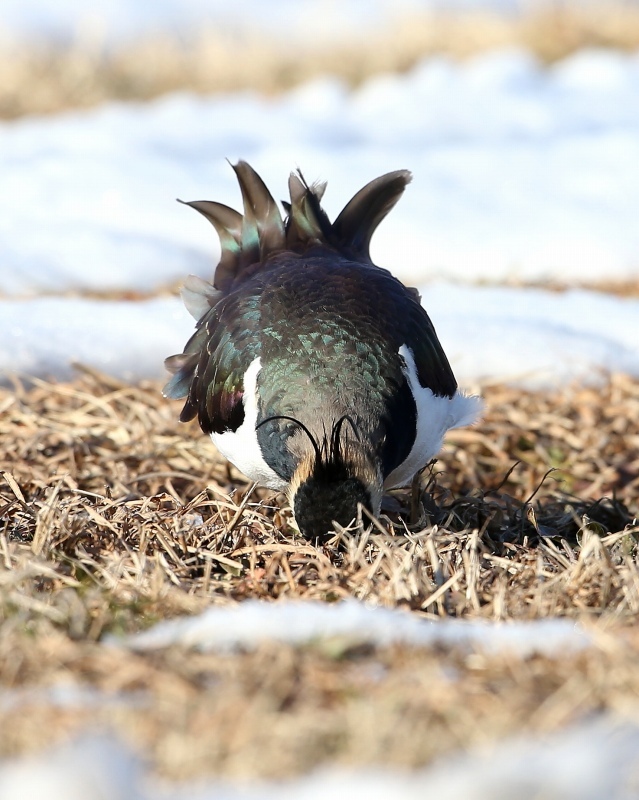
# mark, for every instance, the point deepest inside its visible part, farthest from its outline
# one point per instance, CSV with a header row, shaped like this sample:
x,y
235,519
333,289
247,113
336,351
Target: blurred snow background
x,y
521,174
114,20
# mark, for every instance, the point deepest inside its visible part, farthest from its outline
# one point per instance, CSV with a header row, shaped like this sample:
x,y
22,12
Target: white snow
x,y
519,172
46,336
91,769
589,762
534,338
252,622
117,20
530,337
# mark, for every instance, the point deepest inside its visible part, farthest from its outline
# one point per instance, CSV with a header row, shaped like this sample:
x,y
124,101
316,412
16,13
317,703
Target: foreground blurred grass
x,y
44,78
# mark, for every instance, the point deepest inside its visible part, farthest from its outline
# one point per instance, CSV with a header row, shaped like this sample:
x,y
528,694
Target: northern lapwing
x,y
314,371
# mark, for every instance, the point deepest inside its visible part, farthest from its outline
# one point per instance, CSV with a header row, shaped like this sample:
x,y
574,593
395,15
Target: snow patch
x,y
522,336
248,624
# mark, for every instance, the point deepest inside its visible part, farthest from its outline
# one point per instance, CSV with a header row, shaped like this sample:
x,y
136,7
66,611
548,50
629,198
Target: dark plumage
x,y
301,332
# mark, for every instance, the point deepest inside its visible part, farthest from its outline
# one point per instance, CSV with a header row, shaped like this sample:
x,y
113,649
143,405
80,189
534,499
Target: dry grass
x,y
101,478
44,78
620,288
115,516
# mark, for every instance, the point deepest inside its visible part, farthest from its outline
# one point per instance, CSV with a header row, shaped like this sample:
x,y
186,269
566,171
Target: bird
x,y
314,371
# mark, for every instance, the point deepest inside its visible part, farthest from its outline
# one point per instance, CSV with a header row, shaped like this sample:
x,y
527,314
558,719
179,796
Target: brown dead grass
x,y
44,78
115,516
619,288
102,479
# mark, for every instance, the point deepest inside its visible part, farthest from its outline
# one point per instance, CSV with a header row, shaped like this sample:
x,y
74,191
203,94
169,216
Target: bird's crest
x,y
250,238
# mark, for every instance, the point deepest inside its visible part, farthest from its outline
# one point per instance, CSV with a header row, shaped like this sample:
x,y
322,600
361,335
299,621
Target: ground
x,y
116,516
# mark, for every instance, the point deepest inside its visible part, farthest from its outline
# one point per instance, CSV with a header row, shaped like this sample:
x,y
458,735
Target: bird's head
x,y
334,477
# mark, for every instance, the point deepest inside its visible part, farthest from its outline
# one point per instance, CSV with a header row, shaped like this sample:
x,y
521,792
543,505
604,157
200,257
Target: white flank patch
x,y
435,415
241,447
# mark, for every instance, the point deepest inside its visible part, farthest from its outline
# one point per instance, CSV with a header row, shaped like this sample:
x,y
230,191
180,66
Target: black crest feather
x,y
260,231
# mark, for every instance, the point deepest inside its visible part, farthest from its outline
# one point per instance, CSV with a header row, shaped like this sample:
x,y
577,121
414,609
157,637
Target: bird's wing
x,y
211,369
433,369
